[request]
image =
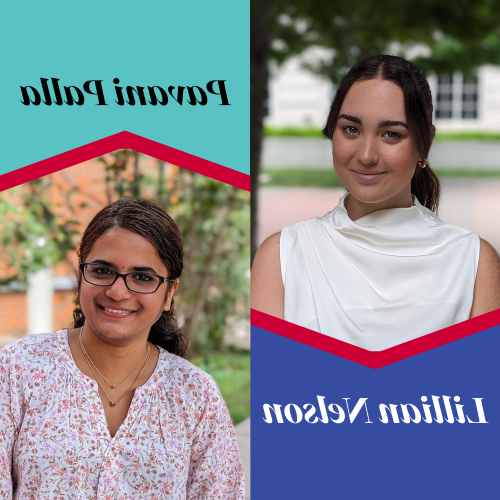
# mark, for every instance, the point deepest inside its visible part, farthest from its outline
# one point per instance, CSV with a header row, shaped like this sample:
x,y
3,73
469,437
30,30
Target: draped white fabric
x,y
386,278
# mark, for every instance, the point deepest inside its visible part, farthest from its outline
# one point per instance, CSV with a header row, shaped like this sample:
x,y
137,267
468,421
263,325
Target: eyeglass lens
x,y
137,282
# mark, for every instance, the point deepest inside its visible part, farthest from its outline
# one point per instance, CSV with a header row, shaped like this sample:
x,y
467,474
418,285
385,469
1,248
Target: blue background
x,y
360,460
154,43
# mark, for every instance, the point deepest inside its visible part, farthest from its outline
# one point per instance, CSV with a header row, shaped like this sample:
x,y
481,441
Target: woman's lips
x,y
115,312
367,177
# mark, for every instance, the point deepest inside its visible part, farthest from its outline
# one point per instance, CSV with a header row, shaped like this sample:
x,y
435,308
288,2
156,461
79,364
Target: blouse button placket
x,y
108,466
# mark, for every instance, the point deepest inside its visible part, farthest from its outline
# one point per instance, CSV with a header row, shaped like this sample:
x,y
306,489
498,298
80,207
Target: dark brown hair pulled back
x,y
150,221
418,110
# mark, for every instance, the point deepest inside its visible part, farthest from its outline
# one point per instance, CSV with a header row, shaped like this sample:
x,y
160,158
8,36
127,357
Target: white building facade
x,y
299,98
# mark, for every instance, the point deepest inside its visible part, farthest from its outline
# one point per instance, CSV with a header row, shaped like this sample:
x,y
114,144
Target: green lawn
x,y
293,132
328,178
440,136
231,371
300,178
467,136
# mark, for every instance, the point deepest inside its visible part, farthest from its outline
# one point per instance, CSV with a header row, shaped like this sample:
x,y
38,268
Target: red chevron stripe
x,y
124,140
374,359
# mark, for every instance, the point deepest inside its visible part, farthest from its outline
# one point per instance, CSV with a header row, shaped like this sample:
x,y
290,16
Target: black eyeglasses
x,y
138,281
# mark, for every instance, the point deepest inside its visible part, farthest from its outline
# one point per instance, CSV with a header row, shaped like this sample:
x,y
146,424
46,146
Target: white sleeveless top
x,y
386,278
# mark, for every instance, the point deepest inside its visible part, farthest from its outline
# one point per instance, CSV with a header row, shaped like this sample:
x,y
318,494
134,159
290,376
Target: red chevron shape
x,y
375,359
124,140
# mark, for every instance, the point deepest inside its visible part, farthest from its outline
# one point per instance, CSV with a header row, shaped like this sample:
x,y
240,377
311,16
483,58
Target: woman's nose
x,y
118,290
368,152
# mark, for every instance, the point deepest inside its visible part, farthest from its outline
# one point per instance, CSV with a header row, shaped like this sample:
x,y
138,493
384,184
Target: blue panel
x,y
377,460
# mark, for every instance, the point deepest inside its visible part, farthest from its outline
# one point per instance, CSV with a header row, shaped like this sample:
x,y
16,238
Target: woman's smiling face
x,y
114,312
374,153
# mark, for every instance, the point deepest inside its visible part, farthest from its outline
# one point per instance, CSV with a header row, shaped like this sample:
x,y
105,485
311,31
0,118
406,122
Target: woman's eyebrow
x,y
145,269
351,118
392,123
102,262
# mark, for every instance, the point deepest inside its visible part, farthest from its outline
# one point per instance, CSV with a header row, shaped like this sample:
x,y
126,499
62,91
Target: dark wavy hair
x,y
418,110
150,221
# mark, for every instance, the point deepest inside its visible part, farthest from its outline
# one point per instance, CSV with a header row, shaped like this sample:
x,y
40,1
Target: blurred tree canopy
x,y
40,227
458,35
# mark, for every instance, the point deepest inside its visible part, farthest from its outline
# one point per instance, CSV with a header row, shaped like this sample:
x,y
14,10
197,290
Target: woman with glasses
x,y
110,409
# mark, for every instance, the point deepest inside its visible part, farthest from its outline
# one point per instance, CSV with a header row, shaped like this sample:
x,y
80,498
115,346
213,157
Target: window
x,y
444,101
457,97
469,97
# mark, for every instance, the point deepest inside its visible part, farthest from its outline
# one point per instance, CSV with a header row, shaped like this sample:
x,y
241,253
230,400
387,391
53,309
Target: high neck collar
x,y
407,231
388,215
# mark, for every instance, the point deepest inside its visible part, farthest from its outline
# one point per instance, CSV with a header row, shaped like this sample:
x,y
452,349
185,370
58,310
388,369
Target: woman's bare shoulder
x,y
270,248
266,288
487,285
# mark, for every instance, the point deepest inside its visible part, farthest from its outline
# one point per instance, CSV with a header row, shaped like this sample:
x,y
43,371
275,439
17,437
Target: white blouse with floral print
x,y
177,441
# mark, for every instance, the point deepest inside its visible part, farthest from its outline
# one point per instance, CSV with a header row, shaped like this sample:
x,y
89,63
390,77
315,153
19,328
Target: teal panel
x,y
160,43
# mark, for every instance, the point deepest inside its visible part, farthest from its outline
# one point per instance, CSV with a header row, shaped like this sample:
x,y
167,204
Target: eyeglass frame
x,y
124,276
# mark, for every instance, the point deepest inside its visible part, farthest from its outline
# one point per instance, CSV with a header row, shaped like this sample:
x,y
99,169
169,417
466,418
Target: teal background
x,y
154,43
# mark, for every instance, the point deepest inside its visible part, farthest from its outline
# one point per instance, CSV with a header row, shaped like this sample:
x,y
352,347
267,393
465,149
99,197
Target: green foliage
x,y
214,221
33,237
460,35
231,371
449,54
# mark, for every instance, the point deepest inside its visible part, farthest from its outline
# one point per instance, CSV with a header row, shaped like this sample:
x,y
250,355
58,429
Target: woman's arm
x,y
215,470
266,286
487,286
7,428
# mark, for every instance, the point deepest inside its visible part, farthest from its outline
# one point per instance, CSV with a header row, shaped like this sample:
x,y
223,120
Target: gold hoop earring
x,y
422,163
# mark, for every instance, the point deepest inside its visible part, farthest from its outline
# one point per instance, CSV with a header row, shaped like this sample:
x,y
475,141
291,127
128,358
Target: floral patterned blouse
x,y
177,441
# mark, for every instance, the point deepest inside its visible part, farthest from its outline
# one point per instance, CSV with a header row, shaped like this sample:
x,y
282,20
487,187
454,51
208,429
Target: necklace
x,y
113,386
89,361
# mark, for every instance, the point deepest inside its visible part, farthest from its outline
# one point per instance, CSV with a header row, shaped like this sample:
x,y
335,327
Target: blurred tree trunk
x,y
196,308
135,184
260,41
161,193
